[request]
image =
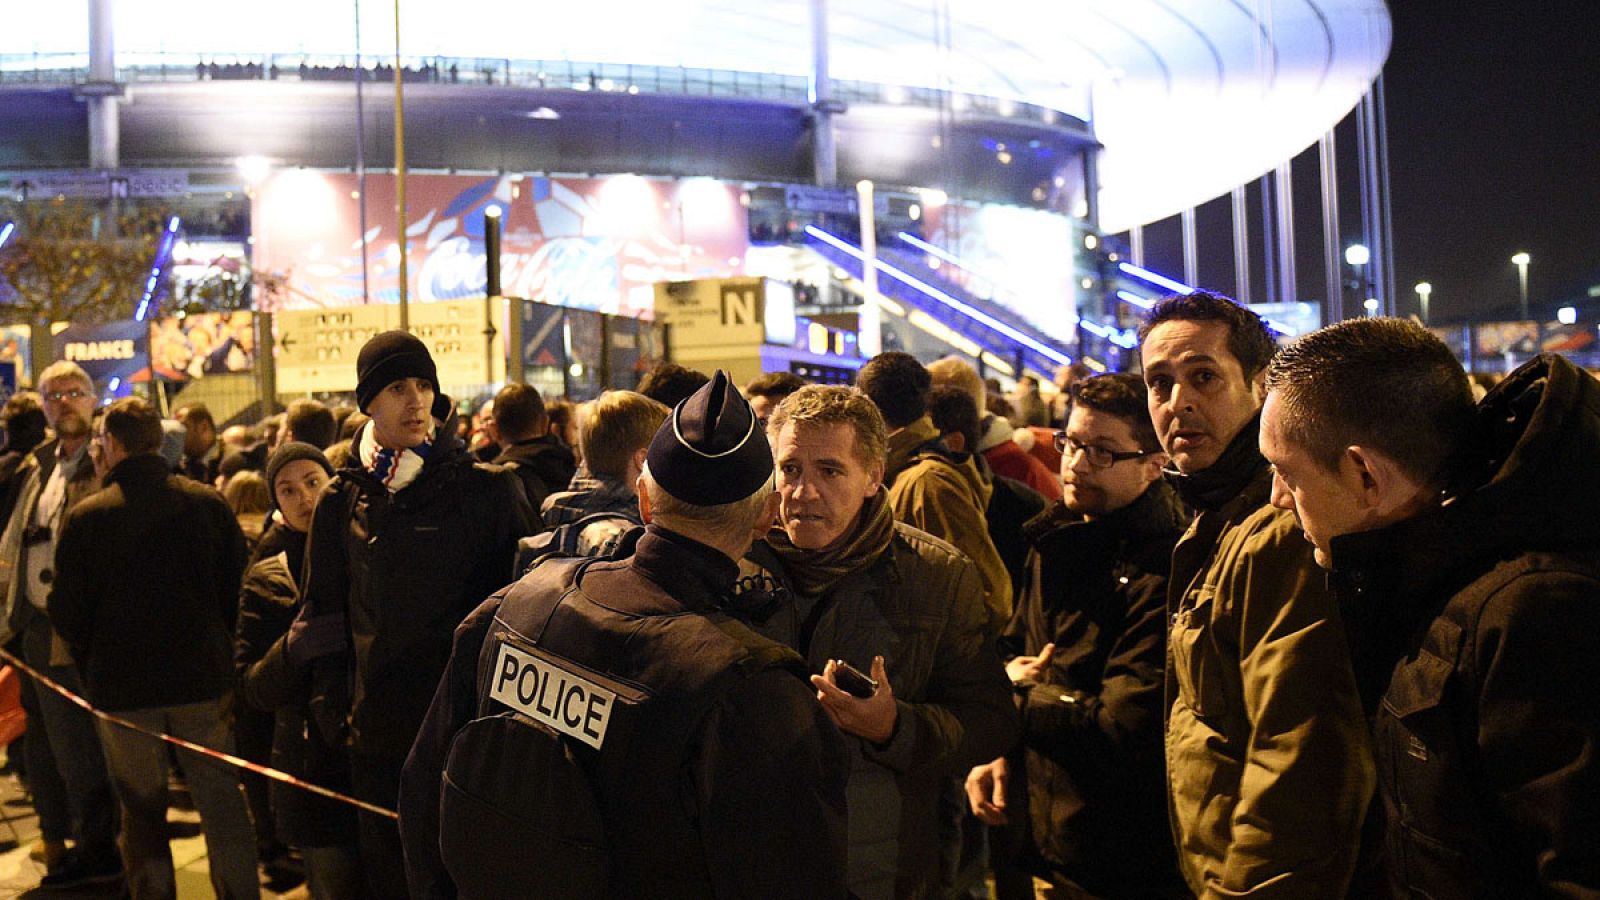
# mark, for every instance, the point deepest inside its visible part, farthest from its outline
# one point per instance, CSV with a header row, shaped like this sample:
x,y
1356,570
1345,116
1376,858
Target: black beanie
x,y
711,450
288,453
389,357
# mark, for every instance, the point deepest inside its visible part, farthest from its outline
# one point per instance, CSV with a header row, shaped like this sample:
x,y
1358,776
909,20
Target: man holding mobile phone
x,y
866,599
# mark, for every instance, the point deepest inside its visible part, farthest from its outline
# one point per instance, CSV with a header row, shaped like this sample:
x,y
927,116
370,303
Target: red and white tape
x,y
247,765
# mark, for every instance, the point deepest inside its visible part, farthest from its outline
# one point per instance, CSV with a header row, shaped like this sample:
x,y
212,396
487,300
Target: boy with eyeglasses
x,y
1090,638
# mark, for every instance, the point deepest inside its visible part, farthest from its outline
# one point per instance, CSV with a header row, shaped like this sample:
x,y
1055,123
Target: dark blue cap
x,y
711,450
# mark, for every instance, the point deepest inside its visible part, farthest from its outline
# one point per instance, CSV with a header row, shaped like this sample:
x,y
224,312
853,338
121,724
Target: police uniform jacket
x,y
741,798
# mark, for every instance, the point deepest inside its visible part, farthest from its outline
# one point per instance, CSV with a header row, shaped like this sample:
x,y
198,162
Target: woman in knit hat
x,y
272,731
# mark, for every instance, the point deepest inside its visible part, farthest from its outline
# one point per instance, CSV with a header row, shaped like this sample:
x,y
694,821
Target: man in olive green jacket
x,y
931,487
1269,767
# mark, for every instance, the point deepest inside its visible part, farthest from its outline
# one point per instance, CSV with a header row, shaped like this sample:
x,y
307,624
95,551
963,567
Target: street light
x,y
1521,261
1424,291
1357,256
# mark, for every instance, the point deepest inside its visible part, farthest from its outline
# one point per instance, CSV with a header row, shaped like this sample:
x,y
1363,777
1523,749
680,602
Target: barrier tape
x,y
236,762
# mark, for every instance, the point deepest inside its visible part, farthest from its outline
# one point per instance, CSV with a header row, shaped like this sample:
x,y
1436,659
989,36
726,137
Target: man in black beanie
x,y
614,703
408,537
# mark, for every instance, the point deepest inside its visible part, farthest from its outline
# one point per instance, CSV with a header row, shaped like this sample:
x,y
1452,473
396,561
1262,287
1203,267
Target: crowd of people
x,y
1273,622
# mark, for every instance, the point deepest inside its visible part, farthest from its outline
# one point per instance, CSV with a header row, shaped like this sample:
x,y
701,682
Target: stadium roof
x,y
1189,97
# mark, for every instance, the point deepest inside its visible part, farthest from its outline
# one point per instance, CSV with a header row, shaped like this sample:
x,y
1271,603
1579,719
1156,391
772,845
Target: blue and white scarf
x,y
393,468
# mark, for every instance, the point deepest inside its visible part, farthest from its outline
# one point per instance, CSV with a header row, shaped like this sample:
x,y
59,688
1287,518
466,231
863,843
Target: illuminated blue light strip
x,y
1158,280
163,253
5,233
1136,300
913,282
1176,287
926,247
920,244
1124,339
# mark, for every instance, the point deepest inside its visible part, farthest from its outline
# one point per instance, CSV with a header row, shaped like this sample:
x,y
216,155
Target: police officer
x,y
605,729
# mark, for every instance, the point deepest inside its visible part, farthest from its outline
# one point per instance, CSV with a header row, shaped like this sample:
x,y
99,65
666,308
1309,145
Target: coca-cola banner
x,y
593,243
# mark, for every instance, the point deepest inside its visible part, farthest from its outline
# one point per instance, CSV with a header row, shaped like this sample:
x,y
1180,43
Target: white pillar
x,y
869,331
104,130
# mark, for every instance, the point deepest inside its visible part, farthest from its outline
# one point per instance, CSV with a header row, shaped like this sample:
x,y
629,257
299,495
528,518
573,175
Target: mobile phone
x,y
852,680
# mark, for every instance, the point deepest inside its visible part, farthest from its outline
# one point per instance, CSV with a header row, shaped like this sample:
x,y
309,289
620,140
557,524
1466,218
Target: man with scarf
x,y
841,581
408,538
1268,766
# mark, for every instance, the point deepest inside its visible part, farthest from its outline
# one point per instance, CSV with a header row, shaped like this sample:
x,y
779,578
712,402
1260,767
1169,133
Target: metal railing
x,y
73,68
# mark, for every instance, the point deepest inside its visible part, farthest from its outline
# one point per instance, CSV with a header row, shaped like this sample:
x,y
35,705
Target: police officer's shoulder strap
x,y
552,578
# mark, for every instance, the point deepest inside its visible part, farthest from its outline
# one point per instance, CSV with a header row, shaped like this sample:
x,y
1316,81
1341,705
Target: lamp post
x,y
1521,261
1424,291
1357,256
491,293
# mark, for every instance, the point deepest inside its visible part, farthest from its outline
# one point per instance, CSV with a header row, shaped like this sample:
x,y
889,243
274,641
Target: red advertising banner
x,y
594,243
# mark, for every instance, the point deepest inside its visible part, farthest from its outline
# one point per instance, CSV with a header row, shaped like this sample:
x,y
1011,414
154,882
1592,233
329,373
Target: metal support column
x,y
1283,179
400,173
824,152
1269,255
1091,187
102,92
1385,214
1241,246
1375,276
491,293
869,330
1136,245
361,159
1332,258
1191,248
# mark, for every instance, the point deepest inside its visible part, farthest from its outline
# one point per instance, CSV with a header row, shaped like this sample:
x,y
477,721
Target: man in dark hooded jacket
x,y
538,458
1461,545
410,536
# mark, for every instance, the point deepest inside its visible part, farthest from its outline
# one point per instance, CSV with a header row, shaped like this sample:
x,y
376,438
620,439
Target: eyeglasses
x,y
58,396
1099,457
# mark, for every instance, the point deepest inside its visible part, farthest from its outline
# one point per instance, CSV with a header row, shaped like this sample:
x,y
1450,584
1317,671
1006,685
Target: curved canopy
x,y
1189,97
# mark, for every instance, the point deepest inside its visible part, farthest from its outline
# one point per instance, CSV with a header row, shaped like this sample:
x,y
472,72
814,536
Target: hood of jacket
x,y
996,431
920,441
1538,484
546,457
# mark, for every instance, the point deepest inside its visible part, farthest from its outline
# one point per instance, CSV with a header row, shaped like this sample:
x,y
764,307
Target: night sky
x,y
1494,144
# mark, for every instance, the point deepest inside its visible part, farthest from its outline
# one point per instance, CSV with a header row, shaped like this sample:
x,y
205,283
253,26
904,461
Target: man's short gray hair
x,y
62,369
723,519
